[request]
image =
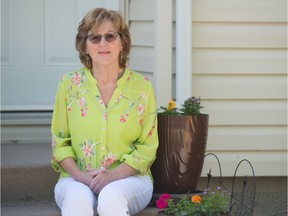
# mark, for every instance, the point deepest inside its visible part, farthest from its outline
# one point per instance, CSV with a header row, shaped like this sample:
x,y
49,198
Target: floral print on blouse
x,y
95,135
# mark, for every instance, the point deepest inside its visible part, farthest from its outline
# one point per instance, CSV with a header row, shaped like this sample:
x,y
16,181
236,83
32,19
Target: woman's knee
x,y
76,199
111,203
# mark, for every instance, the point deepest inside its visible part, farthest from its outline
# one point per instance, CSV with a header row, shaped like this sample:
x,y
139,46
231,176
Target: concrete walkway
x,y
267,204
27,188
47,209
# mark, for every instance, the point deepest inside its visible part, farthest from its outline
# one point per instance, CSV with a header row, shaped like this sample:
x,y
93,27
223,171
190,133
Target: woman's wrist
x,y
70,166
83,177
77,175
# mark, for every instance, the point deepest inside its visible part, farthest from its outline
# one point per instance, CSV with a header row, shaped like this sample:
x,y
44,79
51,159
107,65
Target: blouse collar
x,y
120,81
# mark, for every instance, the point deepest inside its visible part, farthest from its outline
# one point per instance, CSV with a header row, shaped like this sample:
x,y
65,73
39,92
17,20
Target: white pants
x,y
119,198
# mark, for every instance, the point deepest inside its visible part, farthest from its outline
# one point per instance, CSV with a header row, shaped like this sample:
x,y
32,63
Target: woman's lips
x,y
104,52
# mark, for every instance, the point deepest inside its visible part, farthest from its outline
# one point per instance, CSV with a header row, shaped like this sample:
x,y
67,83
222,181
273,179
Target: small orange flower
x,y
171,105
196,199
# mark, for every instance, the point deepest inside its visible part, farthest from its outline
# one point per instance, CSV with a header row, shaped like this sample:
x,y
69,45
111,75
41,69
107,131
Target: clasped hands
x,y
96,179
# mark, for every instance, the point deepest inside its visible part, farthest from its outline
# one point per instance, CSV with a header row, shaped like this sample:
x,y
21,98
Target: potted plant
x,y
182,144
210,203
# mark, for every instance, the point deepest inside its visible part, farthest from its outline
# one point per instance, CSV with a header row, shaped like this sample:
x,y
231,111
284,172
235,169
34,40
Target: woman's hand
x,y
100,180
102,177
86,177
83,177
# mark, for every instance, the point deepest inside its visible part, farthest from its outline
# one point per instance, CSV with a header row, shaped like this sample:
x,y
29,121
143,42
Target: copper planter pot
x,y
181,152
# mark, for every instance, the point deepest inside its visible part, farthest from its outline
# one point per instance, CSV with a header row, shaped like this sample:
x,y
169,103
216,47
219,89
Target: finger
x,y
99,190
88,166
93,184
89,169
94,172
99,187
96,188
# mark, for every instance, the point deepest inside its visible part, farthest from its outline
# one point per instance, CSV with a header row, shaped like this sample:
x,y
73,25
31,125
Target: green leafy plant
x,y
210,203
191,106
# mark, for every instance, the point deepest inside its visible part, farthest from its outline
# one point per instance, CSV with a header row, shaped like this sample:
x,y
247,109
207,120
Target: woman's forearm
x,y
69,165
123,171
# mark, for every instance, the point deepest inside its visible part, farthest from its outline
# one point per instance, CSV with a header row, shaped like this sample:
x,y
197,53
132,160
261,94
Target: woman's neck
x,y
107,74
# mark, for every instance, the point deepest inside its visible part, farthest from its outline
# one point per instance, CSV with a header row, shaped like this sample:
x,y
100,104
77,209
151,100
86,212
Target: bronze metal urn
x,y
181,153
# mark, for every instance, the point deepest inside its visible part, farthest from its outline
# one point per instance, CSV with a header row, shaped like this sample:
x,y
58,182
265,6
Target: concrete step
x,y
26,173
267,204
29,208
28,191
33,208
27,183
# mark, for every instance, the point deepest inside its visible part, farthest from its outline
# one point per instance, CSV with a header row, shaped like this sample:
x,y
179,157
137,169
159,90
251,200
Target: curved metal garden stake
x,y
239,207
210,175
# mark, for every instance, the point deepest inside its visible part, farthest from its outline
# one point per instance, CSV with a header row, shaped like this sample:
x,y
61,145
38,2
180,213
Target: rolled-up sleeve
x,y
61,141
144,153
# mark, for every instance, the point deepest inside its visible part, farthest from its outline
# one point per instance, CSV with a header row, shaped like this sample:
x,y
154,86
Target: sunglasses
x,y
97,38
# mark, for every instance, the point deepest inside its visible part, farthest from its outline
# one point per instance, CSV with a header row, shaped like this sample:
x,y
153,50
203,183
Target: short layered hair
x,y
93,21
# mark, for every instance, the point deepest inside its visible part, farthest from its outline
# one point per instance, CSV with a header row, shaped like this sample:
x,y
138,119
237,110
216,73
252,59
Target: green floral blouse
x,y
95,135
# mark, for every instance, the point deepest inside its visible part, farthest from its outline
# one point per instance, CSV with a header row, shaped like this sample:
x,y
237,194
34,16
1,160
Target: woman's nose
x,y
102,41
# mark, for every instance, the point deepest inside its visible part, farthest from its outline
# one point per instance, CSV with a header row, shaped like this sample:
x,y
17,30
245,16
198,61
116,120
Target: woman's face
x,y
102,52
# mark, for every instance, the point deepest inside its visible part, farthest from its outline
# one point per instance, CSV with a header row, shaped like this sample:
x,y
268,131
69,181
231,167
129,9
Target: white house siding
x,y
151,34
240,71
141,21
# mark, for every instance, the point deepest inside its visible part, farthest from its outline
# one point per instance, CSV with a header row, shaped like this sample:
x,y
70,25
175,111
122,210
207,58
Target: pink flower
x,y
150,134
151,131
53,142
87,150
101,102
140,121
84,111
119,98
146,78
165,197
81,102
162,202
123,118
140,109
54,159
76,79
108,160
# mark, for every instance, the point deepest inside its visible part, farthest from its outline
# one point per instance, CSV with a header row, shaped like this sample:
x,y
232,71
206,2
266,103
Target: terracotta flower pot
x,y
181,152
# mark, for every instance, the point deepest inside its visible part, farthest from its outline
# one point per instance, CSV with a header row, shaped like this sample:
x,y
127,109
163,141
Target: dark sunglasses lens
x,y
95,38
110,37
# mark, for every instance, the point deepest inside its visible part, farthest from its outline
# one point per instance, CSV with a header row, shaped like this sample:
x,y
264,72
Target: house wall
x,y
141,24
238,69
